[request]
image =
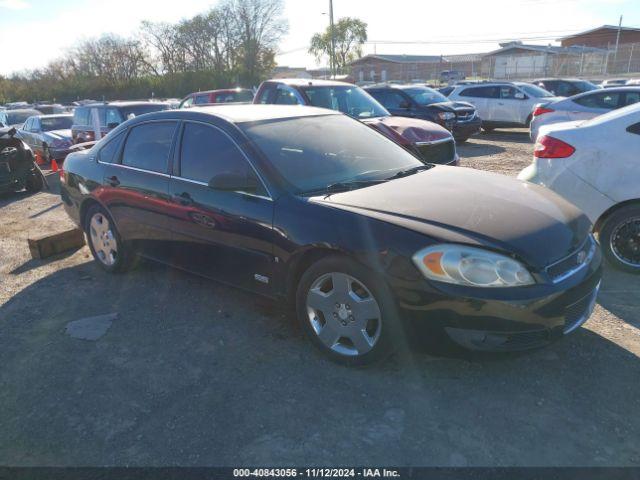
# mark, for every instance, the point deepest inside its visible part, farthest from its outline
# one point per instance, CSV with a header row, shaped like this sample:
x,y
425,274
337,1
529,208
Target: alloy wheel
x,y
344,314
625,242
103,239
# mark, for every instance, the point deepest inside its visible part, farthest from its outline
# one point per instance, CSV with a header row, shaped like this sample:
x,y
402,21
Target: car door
x,y
222,234
135,186
508,108
482,98
35,135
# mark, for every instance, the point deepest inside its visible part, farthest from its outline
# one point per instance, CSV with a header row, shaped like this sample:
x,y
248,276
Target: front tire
x,y
34,182
107,248
620,239
346,312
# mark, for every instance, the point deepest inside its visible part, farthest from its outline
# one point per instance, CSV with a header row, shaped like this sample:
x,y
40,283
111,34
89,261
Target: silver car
x,y
582,107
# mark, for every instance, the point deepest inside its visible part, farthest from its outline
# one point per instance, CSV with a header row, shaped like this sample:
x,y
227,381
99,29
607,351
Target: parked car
x,y
50,109
614,82
109,116
312,207
415,101
430,142
48,135
502,104
565,87
633,82
18,168
15,118
582,107
594,164
446,91
233,95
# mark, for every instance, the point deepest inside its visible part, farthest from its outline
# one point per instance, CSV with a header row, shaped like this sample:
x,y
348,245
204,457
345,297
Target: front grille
x,y
441,152
574,262
579,312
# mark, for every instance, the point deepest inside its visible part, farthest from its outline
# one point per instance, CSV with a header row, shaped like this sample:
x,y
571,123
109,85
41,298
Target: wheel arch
x,y
603,218
299,264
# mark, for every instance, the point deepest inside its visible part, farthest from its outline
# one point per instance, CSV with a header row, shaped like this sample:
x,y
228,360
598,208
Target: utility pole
x,y
615,55
332,60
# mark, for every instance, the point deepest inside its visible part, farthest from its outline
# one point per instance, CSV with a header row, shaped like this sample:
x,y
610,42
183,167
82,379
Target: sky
x,y
40,30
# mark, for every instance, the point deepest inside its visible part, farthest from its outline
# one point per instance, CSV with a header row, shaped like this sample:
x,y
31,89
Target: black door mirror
x,y
233,182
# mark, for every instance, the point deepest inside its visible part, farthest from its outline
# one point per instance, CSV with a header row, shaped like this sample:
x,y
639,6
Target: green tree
x,y
349,36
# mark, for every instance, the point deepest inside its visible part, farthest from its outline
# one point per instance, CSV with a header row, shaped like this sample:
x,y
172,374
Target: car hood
x,y
58,134
451,106
461,205
408,131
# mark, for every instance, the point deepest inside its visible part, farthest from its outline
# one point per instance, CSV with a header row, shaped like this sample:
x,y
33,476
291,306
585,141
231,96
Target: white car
x,y
502,104
582,106
595,165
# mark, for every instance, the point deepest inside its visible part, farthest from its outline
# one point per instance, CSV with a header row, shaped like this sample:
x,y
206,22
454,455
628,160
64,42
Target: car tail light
x,y
550,147
541,111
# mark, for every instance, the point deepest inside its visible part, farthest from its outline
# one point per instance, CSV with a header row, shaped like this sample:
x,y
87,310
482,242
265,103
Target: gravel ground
x,y
183,371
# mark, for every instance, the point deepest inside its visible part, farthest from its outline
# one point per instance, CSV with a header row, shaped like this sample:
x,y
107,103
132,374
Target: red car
x,y
234,95
427,140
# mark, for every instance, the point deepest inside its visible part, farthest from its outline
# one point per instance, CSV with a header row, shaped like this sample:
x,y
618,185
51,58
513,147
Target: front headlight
x,y
446,115
471,266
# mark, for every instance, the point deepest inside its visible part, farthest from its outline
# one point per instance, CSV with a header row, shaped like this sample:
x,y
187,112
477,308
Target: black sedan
x,y
418,101
314,208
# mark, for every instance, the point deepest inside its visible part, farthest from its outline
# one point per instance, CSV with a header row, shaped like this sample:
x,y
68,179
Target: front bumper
x,y
503,319
464,130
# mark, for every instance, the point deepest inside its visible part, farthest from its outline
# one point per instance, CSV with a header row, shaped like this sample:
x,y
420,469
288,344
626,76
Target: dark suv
x,y
562,87
418,101
109,115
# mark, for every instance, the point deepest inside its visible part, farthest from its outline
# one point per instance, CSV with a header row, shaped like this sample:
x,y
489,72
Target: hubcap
x,y
103,240
625,242
344,314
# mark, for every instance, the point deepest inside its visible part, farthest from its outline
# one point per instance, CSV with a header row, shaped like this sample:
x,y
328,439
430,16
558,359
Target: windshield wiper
x,y
410,171
343,187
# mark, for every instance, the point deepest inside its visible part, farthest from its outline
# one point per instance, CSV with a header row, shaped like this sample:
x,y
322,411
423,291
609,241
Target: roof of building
x,y
603,27
401,58
573,50
465,57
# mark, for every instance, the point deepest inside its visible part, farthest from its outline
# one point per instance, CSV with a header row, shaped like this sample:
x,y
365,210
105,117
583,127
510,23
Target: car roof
x,y
33,111
555,79
221,90
308,82
56,115
241,113
122,104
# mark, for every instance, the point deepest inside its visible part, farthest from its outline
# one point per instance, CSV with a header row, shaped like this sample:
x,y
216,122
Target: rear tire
x,y
620,238
107,247
347,312
34,182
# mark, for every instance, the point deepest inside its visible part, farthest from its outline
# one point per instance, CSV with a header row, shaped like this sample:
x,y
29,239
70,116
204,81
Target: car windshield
x,y
56,123
312,153
535,91
234,97
425,96
138,110
17,117
348,99
585,86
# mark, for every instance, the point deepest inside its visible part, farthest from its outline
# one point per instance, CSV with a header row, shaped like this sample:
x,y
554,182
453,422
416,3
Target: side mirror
x,y
405,105
519,96
112,125
232,182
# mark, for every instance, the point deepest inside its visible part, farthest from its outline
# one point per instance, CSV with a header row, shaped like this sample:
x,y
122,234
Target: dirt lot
x,y
194,373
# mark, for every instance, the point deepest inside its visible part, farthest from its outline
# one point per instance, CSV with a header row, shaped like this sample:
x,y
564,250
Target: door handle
x,y
112,181
183,198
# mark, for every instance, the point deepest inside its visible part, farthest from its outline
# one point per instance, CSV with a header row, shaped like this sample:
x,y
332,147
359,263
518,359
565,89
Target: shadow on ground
x,y
53,180
512,135
194,373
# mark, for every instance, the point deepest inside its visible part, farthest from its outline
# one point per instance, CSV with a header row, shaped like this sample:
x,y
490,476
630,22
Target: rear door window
x,y
607,100
630,98
207,152
81,116
148,146
481,92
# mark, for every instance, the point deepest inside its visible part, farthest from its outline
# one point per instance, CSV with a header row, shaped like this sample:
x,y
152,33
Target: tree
x,y
349,36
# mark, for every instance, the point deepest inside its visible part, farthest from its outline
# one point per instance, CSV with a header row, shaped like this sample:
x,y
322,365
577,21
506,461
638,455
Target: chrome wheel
x,y
625,242
103,239
344,314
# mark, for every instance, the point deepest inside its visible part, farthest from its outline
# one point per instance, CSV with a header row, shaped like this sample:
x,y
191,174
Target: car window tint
x,y
148,146
606,100
481,92
265,94
634,129
285,97
207,152
81,116
565,89
507,93
113,116
630,98
107,153
201,99
393,100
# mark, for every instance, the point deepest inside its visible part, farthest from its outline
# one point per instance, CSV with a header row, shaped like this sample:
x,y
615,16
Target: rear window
x,y
81,116
56,123
234,97
20,116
